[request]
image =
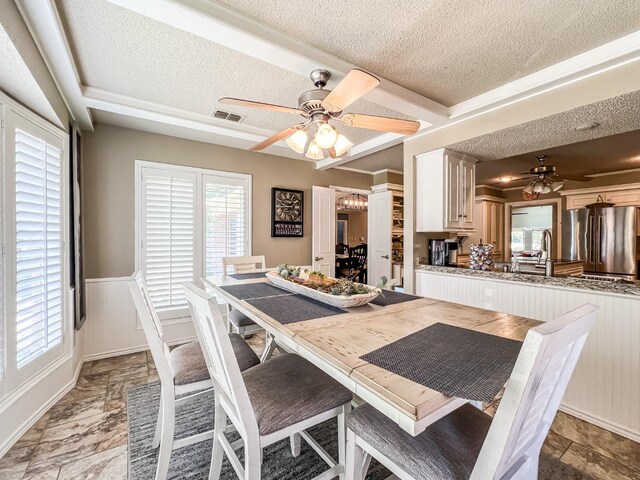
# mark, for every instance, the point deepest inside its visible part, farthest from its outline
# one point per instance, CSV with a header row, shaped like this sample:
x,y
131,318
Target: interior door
x,y
323,243
379,252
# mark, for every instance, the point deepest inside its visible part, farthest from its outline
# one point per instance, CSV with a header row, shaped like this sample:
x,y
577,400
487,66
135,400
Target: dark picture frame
x,y
287,212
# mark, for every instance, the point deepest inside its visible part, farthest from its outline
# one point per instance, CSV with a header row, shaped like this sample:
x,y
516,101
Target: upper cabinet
x,y
629,196
445,191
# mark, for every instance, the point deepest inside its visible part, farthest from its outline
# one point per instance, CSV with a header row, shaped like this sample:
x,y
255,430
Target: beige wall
x,y
387,177
109,193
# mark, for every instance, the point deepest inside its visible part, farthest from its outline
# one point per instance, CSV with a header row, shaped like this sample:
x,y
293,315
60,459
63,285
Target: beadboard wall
x,y
605,386
112,326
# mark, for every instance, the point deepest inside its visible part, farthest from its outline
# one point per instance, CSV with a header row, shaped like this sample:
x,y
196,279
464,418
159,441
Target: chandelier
x,y
353,202
326,137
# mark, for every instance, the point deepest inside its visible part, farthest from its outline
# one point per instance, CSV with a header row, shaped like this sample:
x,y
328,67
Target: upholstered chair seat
x,y
446,450
289,389
188,365
239,319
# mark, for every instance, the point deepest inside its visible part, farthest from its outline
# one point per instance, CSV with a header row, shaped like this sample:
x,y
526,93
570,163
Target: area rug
x,y
192,462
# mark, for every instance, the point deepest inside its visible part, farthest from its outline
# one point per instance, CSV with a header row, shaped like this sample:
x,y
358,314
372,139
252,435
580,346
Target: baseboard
x,y
136,349
612,427
9,442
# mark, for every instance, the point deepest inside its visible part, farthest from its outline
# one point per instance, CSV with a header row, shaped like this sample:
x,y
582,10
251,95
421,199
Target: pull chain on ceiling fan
x,y
319,106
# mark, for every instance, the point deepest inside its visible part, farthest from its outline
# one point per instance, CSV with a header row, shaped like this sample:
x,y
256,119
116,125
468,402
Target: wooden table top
x,y
337,343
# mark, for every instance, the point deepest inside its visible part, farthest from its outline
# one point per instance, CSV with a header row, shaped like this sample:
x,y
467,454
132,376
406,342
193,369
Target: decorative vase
x,y
481,256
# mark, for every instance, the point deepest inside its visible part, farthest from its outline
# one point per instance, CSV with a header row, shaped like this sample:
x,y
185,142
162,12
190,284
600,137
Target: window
x,y
34,241
188,220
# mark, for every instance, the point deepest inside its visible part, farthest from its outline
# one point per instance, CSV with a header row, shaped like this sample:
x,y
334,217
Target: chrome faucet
x,y
547,241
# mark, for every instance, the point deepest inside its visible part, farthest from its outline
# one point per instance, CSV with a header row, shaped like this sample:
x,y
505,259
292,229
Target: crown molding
x,y
608,188
46,29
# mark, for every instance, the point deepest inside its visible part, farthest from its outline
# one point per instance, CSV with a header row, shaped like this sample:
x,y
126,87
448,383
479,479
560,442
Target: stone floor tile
x,y
117,391
46,475
108,465
15,462
594,465
117,363
69,411
555,445
89,386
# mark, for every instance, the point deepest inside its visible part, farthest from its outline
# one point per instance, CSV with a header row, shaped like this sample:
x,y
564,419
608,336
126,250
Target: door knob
x,y
385,256
317,259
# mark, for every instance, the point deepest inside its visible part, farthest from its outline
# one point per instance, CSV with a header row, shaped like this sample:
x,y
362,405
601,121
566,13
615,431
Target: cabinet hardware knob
x,y
385,256
460,215
317,259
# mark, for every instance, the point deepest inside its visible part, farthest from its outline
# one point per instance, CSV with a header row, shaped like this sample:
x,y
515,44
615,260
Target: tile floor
x,y
85,434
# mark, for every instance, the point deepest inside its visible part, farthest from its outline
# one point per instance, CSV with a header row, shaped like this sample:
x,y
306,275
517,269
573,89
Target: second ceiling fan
x,y
319,106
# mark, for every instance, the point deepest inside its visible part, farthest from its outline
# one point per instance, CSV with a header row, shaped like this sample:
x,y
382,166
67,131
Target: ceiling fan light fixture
x,y
556,186
545,188
326,136
314,152
342,145
297,141
538,187
528,188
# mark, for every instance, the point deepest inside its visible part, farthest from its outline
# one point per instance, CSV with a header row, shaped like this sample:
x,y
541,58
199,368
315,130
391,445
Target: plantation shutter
x,y
38,221
168,237
227,217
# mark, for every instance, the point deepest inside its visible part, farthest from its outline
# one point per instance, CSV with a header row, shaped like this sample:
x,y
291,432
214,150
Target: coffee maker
x,y
443,252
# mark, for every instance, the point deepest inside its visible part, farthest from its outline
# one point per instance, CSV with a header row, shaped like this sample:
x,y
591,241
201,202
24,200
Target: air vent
x,y
231,117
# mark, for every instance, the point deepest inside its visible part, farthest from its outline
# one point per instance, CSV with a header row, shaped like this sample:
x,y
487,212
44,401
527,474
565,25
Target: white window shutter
x,y
38,209
227,230
168,236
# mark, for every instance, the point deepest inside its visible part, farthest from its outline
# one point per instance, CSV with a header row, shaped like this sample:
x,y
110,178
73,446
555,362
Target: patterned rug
x,y
192,462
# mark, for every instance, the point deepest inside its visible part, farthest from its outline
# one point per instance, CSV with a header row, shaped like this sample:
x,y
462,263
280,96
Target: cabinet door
x,y
624,198
579,201
499,245
379,251
453,205
467,193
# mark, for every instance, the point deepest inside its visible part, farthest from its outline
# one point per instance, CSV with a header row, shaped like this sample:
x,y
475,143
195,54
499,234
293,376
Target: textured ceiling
x,y
449,50
615,115
601,155
130,54
188,133
391,158
16,80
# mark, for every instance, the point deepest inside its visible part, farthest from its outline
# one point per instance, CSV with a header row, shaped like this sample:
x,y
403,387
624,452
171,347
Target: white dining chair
x,y
273,401
238,321
468,443
182,371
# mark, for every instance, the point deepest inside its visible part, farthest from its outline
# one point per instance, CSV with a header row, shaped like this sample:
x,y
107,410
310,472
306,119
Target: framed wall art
x,y
287,208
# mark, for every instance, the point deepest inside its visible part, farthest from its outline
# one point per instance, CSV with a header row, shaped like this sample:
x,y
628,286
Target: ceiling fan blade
x,y
383,124
332,152
265,106
356,84
278,136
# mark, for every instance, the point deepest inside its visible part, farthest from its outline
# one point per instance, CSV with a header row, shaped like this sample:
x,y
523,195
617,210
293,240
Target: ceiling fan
x,y
546,179
319,106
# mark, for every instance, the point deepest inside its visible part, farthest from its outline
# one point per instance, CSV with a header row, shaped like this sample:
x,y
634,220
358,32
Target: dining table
x,y
336,343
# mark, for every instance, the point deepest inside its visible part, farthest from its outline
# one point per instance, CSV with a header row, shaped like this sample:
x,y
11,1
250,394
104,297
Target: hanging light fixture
x,y
314,152
297,141
353,202
342,146
326,136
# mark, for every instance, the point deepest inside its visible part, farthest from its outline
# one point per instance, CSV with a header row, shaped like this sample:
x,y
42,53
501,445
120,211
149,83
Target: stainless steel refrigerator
x,y
603,238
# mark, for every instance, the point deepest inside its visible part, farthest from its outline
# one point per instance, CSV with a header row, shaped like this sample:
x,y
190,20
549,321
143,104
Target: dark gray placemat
x,y
294,308
391,297
254,290
452,360
247,276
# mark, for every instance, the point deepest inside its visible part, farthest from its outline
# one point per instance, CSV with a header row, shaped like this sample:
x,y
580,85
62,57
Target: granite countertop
x,y
624,288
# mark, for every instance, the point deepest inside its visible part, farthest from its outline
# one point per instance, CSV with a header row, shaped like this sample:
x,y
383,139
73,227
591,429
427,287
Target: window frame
x,y
202,175
15,117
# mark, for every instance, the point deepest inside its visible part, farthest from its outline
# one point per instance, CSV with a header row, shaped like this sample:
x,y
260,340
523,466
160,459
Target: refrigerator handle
x,y
591,235
599,238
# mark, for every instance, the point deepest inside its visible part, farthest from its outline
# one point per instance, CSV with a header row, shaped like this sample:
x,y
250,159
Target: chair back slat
x,y
151,326
533,394
246,264
220,358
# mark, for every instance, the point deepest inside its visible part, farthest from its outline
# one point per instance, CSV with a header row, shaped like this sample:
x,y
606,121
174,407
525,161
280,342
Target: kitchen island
x,y
605,387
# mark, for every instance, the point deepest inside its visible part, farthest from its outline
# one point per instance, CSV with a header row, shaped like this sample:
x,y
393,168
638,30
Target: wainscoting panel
x,y
111,325
605,387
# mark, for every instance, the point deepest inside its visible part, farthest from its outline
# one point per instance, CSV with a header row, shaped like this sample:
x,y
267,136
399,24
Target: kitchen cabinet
x,y
622,198
489,216
445,191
